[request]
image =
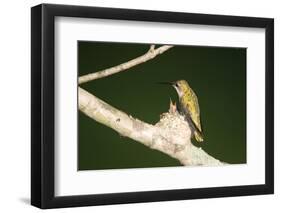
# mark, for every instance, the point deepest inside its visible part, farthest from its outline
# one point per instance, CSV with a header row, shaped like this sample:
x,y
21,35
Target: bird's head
x,y
181,86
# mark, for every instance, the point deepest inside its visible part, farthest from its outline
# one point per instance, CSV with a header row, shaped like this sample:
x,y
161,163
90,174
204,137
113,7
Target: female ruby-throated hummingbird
x,y
189,107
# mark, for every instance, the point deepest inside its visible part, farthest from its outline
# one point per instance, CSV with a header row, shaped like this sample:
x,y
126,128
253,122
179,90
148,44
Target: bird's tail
x,y
198,136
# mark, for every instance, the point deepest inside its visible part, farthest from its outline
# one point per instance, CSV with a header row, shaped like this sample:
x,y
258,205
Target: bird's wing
x,y
193,111
195,116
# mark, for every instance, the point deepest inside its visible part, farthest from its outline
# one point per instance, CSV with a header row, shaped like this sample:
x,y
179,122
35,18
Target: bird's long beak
x,y
167,83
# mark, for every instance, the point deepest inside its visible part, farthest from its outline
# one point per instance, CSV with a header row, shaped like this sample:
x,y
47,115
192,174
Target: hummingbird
x,y
188,107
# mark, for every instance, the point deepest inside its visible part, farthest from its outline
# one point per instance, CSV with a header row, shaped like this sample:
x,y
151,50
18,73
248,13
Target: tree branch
x,y
152,53
171,135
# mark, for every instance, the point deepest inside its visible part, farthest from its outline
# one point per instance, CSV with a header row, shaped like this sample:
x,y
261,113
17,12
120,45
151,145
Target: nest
x,y
174,127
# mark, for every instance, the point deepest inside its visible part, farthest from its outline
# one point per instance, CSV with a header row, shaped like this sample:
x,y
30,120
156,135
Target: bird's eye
x,y
177,85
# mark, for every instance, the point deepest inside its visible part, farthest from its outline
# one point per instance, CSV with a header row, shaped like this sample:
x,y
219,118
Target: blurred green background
x,y
217,75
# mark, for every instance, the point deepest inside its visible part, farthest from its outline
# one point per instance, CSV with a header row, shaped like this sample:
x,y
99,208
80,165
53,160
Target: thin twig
x,y
152,53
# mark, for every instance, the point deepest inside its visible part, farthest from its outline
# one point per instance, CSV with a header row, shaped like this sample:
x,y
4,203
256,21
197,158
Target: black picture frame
x,y
42,105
